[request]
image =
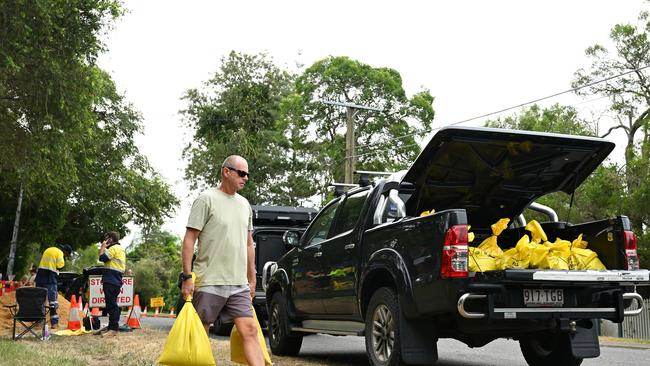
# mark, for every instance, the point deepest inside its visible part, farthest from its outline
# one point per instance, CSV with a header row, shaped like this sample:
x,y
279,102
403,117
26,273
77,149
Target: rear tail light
x,y
631,257
454,253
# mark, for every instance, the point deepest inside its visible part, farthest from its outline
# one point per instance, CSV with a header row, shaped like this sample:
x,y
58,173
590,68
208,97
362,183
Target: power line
x,y
375,152
510,108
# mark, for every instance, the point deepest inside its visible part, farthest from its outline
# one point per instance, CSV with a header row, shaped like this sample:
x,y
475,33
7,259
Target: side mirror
x,y
291,238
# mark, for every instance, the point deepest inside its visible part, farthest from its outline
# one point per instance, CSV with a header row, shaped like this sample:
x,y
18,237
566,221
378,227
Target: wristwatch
x,y
185,277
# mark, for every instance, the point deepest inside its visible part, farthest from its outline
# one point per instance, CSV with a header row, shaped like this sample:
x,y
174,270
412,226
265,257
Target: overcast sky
x,y
475,57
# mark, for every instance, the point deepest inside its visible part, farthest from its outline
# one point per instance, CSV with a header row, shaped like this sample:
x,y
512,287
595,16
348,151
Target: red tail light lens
x,y
454,253
630,251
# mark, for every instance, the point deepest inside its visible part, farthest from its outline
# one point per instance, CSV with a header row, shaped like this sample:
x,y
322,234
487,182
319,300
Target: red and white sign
x,y
97,300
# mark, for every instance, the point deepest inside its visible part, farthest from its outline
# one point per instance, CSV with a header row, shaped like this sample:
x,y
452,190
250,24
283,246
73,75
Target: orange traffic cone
x,y
80,308
74,323
156,313
95,312
144,312
171,313
134,316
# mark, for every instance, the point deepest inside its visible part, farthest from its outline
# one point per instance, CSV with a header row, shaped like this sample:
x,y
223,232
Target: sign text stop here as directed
x,y
97,300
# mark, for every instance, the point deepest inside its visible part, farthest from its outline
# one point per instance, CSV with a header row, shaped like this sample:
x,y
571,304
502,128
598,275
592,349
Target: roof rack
x,y
340,188
364,176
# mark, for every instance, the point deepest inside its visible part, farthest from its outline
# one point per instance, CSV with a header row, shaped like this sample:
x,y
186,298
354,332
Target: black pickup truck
x,y
370,265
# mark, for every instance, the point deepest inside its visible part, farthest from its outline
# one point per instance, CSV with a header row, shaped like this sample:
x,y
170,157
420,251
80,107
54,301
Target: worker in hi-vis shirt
x,y
114,258
51,262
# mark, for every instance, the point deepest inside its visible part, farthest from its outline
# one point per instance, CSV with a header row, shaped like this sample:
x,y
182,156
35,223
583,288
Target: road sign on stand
x,y
97,300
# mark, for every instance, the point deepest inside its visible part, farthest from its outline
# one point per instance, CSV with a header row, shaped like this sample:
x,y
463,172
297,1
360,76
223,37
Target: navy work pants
x,y
53,299
110,294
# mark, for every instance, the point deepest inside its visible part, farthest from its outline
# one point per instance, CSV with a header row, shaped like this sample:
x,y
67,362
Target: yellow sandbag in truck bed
x,y
489,246
517,257
479,261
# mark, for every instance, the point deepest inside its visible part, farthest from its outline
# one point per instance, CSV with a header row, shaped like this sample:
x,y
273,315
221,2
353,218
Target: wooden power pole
x,y
351,111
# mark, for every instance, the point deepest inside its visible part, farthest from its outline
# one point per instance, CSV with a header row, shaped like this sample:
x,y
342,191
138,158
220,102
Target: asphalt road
x,y
351,351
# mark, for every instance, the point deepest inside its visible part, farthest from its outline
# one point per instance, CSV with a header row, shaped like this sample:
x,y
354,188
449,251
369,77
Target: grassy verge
x,y
141,347
624,340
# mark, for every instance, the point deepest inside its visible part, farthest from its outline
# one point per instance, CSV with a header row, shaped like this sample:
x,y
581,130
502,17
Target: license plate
x,y
543,297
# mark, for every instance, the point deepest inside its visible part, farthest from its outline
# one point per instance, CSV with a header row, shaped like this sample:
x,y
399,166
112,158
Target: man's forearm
x,y
251,264
188,251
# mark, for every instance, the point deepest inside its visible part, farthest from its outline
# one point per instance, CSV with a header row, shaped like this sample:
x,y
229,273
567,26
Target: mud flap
x,y
418,341
584,343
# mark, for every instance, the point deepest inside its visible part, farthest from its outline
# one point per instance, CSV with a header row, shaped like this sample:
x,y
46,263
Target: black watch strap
x,y
185,276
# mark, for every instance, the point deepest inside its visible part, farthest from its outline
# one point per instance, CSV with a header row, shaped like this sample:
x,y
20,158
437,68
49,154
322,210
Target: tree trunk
x,y
14,236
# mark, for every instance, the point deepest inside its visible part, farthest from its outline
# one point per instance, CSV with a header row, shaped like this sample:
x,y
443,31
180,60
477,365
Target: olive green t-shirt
x,y
224,221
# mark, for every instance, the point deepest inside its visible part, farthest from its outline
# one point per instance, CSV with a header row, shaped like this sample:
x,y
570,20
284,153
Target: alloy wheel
x,y
275,322
383,333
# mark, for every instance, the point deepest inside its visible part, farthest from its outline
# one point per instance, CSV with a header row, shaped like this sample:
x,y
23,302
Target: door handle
x,y
318,254
349,246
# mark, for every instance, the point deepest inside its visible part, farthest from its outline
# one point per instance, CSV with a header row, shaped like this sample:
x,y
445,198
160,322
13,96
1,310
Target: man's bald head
x,y
234,174
232,161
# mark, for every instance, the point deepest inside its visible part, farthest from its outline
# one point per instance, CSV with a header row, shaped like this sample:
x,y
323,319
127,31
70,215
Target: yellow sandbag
x,y
538,253
536,231
489,246
470,235
558,256
583,259
187,343
499,226
557,262
517,257
68,332
579,243
237,345
480,261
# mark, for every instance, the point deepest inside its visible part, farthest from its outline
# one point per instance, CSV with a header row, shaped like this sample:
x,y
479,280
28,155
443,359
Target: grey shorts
x,y
210,306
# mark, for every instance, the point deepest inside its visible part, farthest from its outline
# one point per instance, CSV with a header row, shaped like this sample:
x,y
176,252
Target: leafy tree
x,y
156,262
235,113
629,103
557,118
341,79
298,167
67,139
86,257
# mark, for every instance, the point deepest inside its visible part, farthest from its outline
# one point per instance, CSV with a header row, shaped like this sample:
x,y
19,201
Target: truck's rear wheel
x,y
382,328
282,342
548,350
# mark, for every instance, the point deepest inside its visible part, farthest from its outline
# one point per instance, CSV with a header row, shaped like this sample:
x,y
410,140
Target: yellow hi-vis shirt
x,y
116,258
52,260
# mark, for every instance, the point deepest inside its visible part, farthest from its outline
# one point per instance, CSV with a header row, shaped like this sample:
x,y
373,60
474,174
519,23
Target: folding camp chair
x,y
30,308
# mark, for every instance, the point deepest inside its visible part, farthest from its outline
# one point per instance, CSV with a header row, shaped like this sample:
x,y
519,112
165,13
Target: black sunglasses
x,y
241,173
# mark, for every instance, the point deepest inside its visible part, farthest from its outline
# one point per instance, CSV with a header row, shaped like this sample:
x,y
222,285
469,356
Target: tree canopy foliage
x,y
156,261
235,113
294,142
68,135
344,80
629,104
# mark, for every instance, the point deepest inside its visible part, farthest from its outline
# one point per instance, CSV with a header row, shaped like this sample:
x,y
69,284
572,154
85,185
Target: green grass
x,y
22,352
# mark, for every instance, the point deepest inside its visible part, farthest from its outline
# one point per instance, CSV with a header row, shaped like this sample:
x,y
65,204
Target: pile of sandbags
x,y
532,252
